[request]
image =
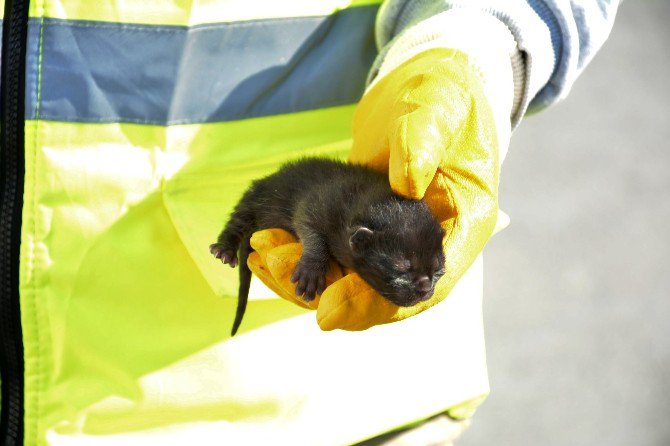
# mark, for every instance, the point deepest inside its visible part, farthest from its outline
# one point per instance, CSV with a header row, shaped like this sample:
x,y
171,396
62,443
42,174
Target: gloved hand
x,y
429,124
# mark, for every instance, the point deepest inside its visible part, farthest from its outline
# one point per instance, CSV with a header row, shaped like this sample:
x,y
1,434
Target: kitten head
x,y
398,250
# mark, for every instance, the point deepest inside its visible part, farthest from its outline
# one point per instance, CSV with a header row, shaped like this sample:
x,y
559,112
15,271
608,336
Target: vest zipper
x,y
12,116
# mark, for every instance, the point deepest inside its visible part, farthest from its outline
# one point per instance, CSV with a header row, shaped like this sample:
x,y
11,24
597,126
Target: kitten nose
x,y
422,284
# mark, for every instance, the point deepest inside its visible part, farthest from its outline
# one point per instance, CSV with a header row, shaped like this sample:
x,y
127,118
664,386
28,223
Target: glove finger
x,y
267,239
258,267
281,262
416,146
370,145
351,304
264,242
372,119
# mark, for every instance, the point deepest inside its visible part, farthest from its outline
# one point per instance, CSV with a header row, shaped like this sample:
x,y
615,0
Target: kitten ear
x,y
360,238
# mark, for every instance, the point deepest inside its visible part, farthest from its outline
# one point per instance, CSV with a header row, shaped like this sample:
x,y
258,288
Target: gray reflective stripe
x,y
110,72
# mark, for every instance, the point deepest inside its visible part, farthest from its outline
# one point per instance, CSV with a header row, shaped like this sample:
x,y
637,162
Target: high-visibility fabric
x,y
188,12
124,337
126,316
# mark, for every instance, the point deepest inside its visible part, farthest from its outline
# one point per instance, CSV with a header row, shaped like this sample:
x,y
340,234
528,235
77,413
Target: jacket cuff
x,y
532,62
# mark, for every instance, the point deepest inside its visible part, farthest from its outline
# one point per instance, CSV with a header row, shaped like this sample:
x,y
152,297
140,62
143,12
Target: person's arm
x,y
443,96
554,39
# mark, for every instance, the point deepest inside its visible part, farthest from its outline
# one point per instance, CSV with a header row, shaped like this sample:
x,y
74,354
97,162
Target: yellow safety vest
x,y
144,122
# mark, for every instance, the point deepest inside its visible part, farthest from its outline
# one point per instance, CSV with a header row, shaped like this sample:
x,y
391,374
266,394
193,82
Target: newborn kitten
x,y
344,211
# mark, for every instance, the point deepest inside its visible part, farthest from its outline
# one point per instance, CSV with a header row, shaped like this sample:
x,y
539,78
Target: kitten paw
x,y
226,255
310,277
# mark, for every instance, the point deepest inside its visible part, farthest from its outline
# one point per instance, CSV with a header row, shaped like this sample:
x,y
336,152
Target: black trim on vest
x,y
12,113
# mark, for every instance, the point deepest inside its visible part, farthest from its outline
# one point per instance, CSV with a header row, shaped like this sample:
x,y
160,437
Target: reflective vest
x,y
144,122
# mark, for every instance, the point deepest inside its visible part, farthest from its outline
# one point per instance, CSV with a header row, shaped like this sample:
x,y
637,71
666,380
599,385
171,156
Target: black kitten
x,y
344,211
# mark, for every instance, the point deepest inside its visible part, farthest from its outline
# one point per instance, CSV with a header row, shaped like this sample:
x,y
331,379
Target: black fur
x,y
344,211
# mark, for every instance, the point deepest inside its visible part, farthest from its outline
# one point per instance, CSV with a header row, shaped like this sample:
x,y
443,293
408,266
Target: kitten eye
x,y
402,266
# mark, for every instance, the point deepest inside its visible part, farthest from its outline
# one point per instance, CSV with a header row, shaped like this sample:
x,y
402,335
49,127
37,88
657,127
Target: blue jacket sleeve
x,y
556,39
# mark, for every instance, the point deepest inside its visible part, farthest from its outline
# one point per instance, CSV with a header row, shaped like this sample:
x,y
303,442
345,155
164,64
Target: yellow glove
x,y
428,123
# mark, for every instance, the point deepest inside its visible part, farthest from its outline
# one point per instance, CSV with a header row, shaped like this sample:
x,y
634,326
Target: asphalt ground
x,y
577,289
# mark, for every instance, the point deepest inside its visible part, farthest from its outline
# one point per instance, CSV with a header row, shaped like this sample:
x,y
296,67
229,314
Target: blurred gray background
x,y
577,289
